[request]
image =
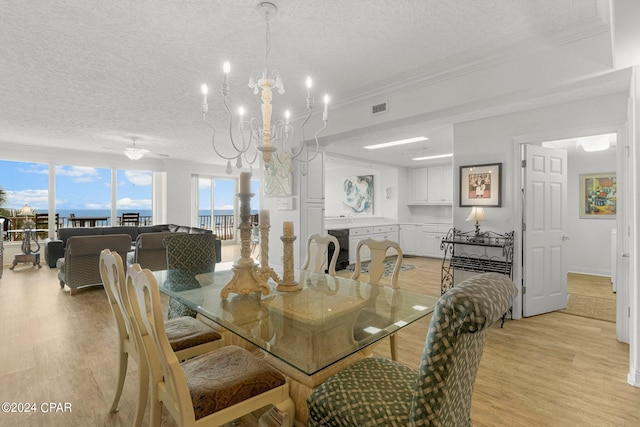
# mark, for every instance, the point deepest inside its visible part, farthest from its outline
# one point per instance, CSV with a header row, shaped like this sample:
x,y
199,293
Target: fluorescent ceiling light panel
x,y
440,156
394,143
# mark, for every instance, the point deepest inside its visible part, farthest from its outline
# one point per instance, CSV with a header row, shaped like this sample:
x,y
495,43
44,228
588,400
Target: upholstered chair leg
x,y
394,346
122,374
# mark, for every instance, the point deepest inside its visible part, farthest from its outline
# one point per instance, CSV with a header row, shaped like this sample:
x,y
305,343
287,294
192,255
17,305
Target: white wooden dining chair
x,y
378,250
318,254
209,390
189,337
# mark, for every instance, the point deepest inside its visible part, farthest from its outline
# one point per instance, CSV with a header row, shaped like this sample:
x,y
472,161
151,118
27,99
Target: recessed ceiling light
x,y
394,143
440,156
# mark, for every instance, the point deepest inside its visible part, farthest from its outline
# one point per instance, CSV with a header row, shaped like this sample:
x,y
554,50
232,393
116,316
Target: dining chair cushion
x,y
379,392
186,332
227,376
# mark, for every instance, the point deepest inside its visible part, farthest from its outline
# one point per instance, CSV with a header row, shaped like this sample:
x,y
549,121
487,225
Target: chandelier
x,y
271,139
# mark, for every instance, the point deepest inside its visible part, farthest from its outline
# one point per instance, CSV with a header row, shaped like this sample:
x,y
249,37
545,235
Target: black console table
x,y
483,253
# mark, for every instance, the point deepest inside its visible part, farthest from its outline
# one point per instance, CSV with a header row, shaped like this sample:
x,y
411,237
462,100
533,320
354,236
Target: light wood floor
x,y
549,370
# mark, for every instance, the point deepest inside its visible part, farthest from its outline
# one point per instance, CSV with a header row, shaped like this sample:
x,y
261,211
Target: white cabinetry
x,y
408,239
432,236
387,232
355,235
419,187
440,185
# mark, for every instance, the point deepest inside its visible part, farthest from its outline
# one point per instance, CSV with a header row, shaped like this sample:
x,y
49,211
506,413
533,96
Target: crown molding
x,y
477,59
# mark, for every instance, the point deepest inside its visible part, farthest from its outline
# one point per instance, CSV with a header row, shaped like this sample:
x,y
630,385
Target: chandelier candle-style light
x,y
267,137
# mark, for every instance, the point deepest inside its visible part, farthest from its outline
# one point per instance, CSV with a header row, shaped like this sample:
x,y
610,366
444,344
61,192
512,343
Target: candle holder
x,y
246,276
266,272
288,283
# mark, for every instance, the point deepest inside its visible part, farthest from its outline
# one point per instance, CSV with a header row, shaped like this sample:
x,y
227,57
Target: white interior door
x,y
545,211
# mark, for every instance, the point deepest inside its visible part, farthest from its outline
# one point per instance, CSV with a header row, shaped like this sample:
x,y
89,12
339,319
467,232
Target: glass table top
x,y
310,329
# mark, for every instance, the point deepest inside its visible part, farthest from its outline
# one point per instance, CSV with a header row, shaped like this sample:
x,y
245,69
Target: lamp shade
x,y
26,210
477,214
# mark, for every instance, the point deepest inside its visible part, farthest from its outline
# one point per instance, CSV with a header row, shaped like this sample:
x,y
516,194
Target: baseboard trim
x,y
633,378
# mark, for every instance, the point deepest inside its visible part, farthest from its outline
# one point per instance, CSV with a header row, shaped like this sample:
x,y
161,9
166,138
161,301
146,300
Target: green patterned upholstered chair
x,y
187,256
381,392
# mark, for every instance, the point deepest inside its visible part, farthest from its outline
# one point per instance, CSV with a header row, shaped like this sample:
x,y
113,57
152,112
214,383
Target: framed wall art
x,y
481,185
358,194
598,195
278,178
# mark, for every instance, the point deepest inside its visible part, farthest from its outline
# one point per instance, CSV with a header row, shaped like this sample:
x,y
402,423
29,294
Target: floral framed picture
x,y
598,195
481,185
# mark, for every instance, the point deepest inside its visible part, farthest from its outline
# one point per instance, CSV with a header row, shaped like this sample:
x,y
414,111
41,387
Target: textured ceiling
x,y
90,74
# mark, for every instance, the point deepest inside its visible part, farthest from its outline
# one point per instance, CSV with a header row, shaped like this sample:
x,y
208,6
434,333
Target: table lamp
x,y
28,231
477,215
27,212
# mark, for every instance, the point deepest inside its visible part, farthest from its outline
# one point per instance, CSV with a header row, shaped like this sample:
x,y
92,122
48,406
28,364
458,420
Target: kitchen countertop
x,y
377,223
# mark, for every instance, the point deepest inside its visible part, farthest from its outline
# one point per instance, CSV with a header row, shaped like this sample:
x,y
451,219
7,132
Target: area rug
x,y
388,267
592,307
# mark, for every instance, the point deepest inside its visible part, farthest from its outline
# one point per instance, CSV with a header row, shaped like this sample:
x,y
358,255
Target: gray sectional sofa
x,y
54,249
76,251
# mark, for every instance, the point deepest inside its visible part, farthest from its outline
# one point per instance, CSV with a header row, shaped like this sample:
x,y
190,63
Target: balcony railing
x,y
222,225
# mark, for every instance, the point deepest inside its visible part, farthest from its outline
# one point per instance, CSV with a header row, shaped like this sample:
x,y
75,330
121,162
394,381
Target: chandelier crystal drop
x,y
250,136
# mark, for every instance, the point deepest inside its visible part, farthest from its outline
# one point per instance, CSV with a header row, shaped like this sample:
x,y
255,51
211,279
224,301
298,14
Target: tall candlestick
x,y
287,229
245,183
264,218
246,274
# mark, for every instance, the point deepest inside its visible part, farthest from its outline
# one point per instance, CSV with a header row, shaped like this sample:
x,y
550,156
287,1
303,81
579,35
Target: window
x,y
217,207
23,183
134,194
82,192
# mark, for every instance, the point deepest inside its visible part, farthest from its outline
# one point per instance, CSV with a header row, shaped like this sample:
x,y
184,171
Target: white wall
x,y
496,139
383,178
588,250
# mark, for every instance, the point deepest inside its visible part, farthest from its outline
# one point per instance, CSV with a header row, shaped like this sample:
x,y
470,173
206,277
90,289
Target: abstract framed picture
x,y
278,179
358,194
481,185
598,198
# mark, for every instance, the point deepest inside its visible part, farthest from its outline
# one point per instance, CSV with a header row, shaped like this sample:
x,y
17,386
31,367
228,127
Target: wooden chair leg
x,y
155,413
143,392
122,373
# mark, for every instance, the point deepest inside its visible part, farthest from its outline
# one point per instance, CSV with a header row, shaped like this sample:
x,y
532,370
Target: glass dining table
x,y
310,329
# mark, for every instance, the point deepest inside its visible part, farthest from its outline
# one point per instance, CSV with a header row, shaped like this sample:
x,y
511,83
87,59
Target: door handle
x,y
625,255
565,238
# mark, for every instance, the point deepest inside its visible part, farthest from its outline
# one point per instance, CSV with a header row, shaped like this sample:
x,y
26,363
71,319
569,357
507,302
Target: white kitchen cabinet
x,y
440,185
355,235
431,239
419,186
407,236
432,185
387,232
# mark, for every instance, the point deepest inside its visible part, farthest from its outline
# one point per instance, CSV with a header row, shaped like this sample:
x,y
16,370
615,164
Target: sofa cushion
x,y
65,233
189,230
150,251
132,231
153,228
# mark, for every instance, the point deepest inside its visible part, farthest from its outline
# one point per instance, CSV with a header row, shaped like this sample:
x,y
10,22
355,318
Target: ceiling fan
x,y
134,152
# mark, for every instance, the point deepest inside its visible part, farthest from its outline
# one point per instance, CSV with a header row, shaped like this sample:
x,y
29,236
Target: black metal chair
x,y
130,219
42,223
